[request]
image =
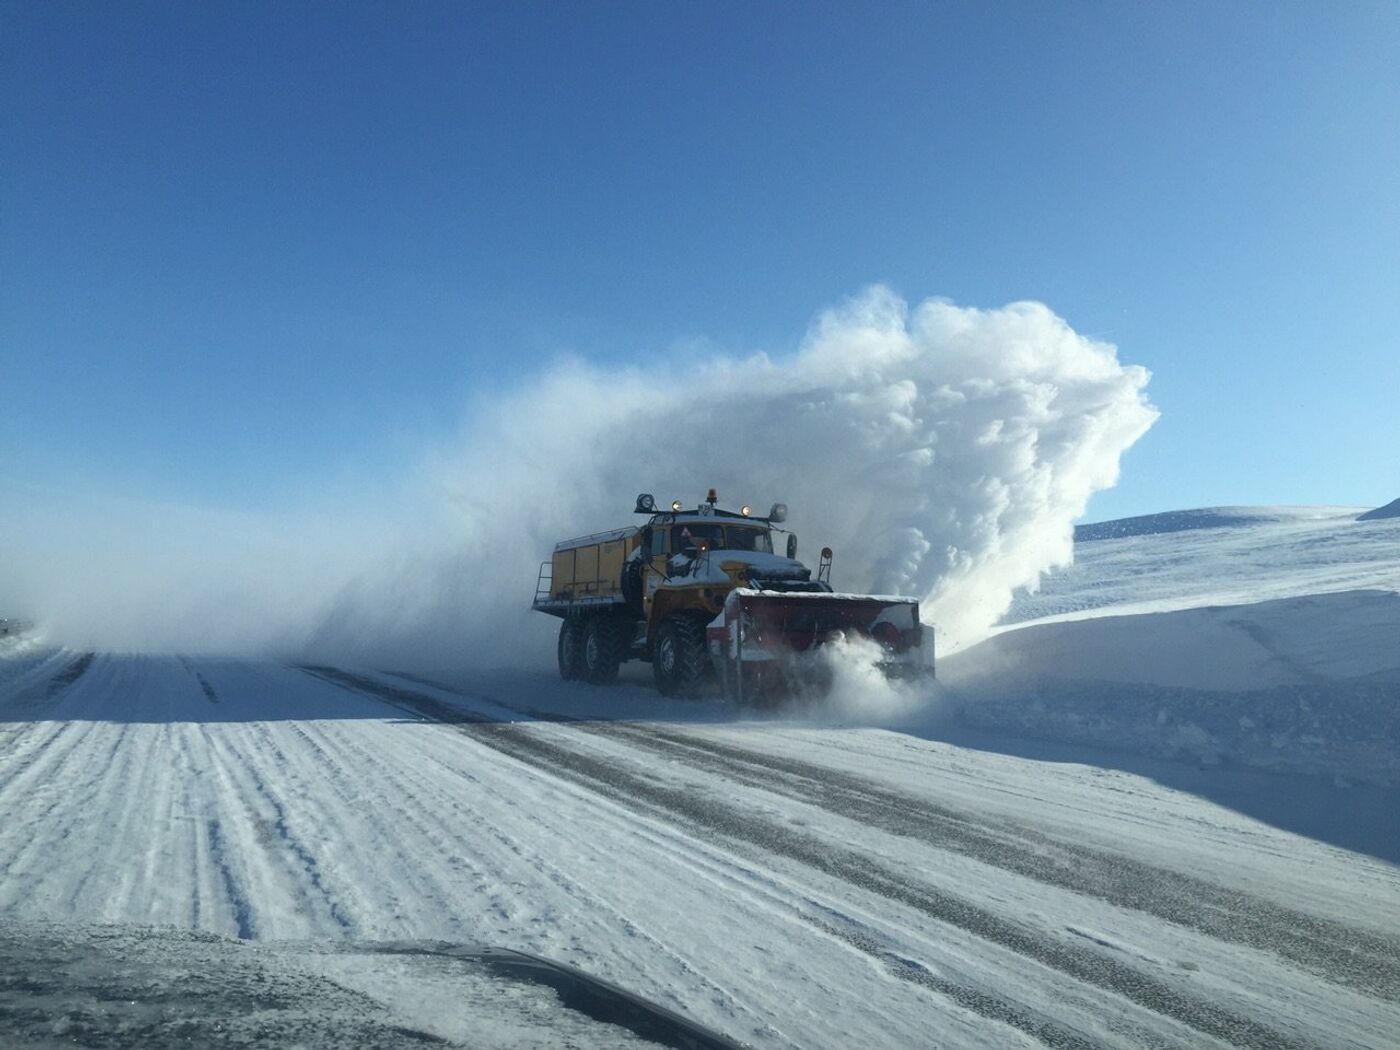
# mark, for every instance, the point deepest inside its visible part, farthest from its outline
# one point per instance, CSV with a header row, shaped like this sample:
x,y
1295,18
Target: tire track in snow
x,y
233,866
401,802
274,832
19,679
1357,958
968,997
984,1004
1354,957
598,907
25,695
130,779
709,816
183,771
834,921
45,721
400,793
36,695
333,757
66,795
826,918
59,772
43,732
108,799
209,692
107,812
314,810
39,737
237,899
69,675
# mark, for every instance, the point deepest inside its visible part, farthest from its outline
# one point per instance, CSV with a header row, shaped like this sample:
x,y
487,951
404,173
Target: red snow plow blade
x,y
766,644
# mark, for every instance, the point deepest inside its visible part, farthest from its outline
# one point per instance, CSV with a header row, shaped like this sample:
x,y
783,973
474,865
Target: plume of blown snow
x,y
942,452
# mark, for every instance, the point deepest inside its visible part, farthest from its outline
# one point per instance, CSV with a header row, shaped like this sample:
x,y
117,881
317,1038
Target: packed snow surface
x,y
785,882
890,868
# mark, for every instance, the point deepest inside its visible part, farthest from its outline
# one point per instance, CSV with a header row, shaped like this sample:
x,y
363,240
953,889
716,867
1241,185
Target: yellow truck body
x,y
591,566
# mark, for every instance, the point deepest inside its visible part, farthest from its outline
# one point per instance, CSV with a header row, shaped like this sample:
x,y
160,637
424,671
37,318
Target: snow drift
x,y
942,451
1295,685
1272,643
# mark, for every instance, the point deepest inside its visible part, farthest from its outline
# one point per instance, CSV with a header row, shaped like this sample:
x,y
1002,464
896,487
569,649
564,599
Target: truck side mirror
x,y
792,546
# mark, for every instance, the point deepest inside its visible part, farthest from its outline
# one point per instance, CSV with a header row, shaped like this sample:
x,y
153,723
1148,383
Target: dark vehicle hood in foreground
x,y
154,987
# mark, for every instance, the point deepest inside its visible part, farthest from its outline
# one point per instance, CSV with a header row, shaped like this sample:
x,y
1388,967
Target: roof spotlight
x,y
778,513
746,510
676,505
645,503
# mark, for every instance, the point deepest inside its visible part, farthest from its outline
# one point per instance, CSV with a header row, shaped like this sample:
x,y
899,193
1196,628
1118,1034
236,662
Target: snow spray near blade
x,y
860,690
943,452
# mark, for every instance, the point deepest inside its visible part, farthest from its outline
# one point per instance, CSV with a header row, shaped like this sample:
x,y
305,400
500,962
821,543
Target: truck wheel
x,y
679,661
603,643
570,649
758,689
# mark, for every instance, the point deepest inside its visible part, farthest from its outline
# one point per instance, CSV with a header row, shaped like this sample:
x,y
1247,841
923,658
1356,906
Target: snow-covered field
x,y
859,877
1260,553
1271,640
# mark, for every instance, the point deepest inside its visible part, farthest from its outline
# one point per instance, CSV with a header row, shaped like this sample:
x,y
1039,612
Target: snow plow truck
x,y
700,594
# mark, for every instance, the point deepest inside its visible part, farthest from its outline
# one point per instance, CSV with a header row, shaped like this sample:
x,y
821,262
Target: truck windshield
x,y
692,535
749,540
718,537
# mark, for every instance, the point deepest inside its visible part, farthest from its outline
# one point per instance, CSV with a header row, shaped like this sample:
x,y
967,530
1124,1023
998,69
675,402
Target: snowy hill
x,y
1390,510
1264,636
1216,556
1176,521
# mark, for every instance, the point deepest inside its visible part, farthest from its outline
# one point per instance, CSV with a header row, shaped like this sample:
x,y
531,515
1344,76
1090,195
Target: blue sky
x,y
246,248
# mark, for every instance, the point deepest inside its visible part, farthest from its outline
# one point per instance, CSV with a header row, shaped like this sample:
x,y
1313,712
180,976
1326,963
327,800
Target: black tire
x,y
679,661
759,689
570,650
604,645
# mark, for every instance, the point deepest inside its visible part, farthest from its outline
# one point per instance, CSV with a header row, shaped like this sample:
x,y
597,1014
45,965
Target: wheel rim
x,y
668,655
590,650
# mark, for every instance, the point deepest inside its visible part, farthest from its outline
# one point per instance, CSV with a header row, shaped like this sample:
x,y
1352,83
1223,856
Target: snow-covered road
x,y
786,884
